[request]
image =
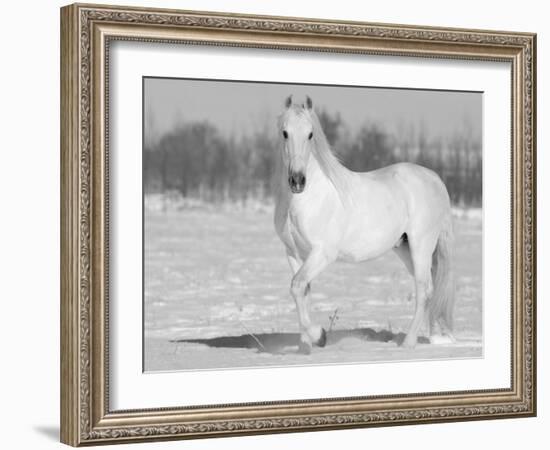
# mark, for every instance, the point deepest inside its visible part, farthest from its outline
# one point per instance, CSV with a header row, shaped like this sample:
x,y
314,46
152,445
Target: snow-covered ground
x,y
217,296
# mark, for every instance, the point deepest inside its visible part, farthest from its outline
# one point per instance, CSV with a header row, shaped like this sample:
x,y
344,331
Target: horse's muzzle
x,y
297,182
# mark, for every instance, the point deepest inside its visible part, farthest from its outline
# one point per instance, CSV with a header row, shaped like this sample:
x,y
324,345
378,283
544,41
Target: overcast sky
x,y
236,107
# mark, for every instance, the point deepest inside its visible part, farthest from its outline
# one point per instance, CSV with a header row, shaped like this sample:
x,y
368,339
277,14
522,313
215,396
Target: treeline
x,y
198,161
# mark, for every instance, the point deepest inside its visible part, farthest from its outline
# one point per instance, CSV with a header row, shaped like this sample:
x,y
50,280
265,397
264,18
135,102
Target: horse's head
x,y
296,127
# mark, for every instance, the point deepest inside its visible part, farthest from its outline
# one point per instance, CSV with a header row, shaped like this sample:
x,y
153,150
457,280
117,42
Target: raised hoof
x,y
322,341
304,348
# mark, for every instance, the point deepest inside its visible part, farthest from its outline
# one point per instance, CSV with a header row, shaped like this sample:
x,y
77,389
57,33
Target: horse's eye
x,y
310,135
285,134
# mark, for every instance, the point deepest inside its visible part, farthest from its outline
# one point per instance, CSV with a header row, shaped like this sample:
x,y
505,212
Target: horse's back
x,y
420,190
406,170
426,195
413,180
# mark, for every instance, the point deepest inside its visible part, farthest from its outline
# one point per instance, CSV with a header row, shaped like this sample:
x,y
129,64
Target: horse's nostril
x,y
296,178
297,181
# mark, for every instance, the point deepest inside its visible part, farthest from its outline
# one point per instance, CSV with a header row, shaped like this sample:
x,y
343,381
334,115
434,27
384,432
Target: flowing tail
x,y
441,306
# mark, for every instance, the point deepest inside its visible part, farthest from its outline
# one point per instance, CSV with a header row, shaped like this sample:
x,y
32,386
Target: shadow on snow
x,y
279,343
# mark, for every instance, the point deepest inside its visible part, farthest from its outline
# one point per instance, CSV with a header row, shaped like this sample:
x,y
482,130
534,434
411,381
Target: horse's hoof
x,y
442,339
408,343
322,341
304,348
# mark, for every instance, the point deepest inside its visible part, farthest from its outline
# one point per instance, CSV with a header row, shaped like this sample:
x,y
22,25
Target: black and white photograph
x,y
266,225
292,224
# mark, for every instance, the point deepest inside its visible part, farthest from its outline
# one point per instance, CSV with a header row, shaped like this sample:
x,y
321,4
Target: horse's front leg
x,y
302,305
310,333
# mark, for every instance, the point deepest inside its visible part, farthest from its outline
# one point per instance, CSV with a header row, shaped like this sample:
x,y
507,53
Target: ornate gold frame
x,y
86,31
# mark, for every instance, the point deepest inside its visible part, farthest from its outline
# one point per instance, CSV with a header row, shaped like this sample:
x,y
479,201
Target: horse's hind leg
x,y
404,253
421,253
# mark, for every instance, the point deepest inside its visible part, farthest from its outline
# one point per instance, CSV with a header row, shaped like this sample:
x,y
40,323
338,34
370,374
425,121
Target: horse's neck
x,y
314,173
335,174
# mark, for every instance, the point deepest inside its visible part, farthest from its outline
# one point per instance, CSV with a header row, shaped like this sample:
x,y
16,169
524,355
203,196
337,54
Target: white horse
x,y
326,212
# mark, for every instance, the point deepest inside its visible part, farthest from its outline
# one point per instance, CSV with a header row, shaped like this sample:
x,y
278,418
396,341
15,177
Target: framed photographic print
x,y
275,224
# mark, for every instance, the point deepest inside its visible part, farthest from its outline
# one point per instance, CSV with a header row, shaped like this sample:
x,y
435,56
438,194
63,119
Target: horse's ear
x,y
288,101
309,103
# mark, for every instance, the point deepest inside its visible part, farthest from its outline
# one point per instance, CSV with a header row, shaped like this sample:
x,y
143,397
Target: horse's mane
x,y
328,161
